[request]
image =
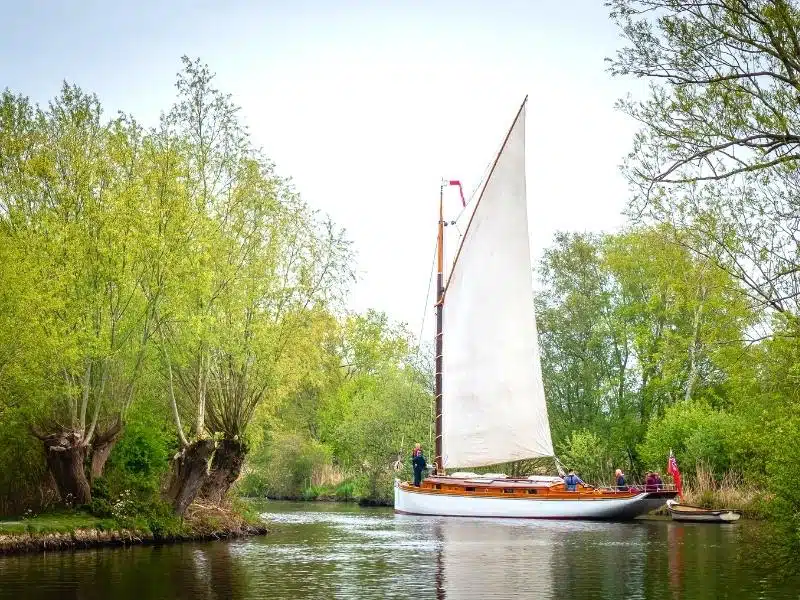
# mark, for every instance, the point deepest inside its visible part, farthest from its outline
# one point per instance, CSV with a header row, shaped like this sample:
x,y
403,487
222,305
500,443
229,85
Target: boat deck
x,y
544,488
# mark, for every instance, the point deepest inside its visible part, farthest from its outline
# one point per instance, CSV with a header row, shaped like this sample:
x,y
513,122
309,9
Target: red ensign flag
x,y
672,469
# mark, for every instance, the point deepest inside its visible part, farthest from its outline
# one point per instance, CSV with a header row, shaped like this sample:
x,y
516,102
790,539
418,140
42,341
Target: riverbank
x,y
73,530
347,491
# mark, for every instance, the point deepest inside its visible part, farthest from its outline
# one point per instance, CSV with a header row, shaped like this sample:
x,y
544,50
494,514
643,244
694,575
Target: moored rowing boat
x,y
697,514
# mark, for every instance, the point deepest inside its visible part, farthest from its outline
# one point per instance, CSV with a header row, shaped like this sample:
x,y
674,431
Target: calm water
x,y
336,551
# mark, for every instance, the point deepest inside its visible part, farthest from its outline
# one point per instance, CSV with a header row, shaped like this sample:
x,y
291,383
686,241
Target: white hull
x,y
420,503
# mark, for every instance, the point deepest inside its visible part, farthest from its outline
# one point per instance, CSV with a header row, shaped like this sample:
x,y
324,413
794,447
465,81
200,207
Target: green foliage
x,y
172,259
101,507
697,434
716,159
378,419
22,469
160,520
632,324
139,460
723,84
284,466
311,493
581,350
57,522
253,483
586,453
340,437
345,491
783,468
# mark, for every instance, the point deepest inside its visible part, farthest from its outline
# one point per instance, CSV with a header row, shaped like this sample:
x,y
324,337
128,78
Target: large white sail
x,y
493,404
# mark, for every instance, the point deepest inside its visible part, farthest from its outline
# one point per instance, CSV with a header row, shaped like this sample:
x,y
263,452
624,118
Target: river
x,y
342,551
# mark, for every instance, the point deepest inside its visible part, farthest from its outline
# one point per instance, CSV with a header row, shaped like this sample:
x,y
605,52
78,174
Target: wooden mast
x,y
438,346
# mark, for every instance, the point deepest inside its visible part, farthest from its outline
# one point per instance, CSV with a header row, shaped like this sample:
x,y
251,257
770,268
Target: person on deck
x,y
418,464
621,481
650,482
657,481
572,481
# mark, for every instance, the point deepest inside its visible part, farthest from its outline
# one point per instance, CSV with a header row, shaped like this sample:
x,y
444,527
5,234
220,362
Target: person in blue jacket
x,y
572,481
418,464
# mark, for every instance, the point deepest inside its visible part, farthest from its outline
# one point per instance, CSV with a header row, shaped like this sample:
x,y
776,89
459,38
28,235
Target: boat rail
x,y
665,487
552,482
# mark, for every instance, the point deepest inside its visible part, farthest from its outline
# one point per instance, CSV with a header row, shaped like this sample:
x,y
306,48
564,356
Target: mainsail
x,y
493,404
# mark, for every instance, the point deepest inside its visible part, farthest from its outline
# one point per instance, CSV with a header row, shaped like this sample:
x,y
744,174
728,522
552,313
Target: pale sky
x,y
366,105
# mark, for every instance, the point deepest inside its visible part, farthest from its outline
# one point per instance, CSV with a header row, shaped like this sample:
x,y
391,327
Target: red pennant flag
x,y
672,469
460,190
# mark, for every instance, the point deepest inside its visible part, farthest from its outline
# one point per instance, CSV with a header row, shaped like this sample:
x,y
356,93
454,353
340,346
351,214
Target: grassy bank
x,y
321,482
69,530
344,492
729,492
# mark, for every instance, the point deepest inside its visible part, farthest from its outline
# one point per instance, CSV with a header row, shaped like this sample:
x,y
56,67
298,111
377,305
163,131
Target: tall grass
x,y
327,475
732,491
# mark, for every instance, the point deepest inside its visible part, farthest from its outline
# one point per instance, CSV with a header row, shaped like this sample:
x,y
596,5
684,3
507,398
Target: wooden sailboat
x,y
490,403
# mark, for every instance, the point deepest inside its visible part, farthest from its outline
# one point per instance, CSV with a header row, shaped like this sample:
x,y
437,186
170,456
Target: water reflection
x,y
468,552
343,552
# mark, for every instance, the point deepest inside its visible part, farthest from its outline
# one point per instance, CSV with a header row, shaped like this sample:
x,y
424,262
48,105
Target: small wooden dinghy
x,y
685,512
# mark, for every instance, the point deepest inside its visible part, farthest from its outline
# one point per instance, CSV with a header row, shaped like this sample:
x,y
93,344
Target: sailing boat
x,y
490,403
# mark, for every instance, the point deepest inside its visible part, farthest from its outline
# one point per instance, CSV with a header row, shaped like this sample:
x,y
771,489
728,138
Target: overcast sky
x,y
366,105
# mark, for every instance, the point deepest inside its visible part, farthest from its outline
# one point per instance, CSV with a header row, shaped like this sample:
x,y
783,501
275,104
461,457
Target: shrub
x,y
101,507
140,459
587,454
284,465
310,493
252,484
697,434
345,491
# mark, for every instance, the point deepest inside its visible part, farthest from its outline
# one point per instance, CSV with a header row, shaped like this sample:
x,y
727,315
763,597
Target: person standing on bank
x,y
418,464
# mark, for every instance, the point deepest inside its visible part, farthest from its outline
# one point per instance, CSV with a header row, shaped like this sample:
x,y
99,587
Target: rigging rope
x,y
427,297
422,331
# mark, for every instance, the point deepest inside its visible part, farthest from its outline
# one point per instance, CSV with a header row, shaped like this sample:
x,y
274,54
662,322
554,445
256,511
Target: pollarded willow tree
x,y
76,235
247,298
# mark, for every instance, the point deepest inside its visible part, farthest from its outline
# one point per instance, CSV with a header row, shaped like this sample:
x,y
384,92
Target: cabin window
x,y
438,486
470,489
532,491
508,491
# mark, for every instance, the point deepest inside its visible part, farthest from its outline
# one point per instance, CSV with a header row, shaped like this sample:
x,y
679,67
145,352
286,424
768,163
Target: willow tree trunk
x,y
188,474
225,468
66,454
102,446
